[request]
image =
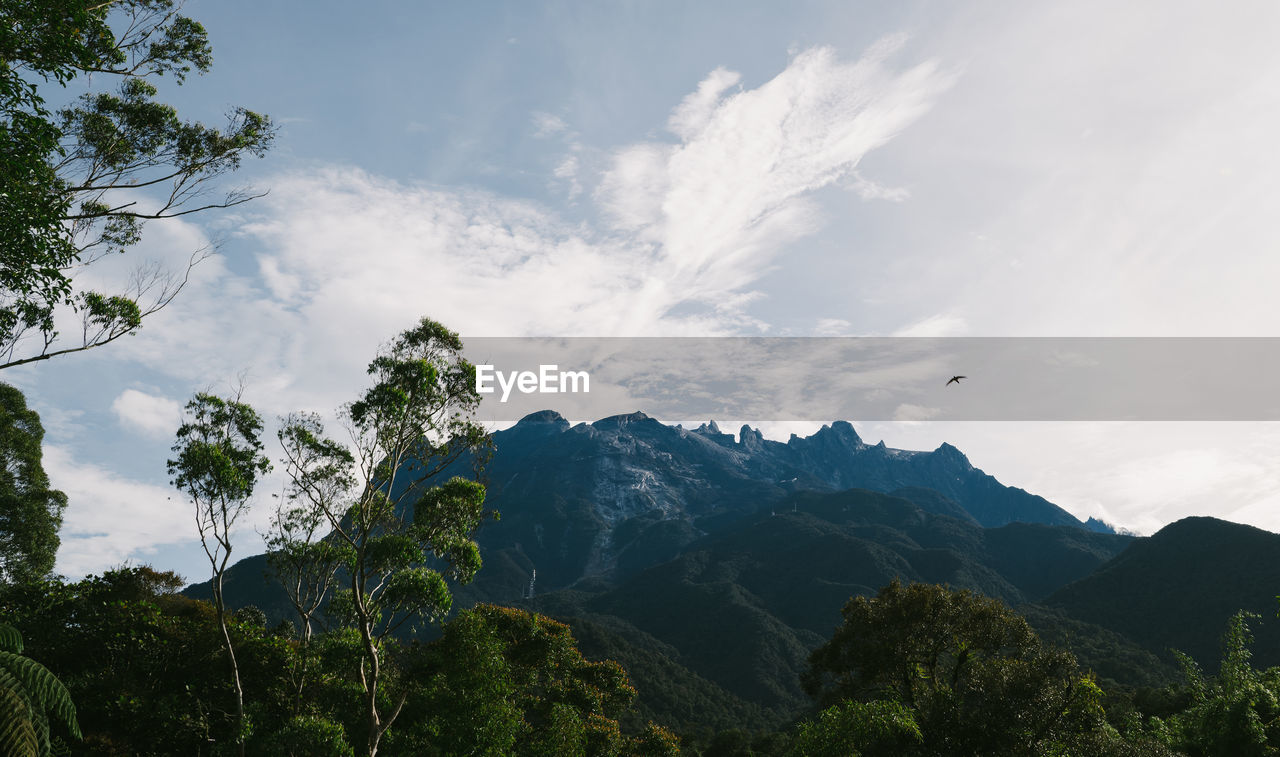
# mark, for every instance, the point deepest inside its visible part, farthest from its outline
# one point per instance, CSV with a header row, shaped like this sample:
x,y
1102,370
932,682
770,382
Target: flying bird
x,y
955,380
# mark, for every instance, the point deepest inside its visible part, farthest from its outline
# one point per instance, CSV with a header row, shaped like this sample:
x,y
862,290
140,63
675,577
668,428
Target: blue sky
x,y
661,168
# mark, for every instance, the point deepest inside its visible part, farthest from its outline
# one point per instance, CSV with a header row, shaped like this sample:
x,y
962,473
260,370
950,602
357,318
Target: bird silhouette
x,y
955,380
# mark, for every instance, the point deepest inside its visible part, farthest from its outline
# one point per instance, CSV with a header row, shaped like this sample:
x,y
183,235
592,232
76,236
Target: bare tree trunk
x,y
304,654
370,677
371,694
231,655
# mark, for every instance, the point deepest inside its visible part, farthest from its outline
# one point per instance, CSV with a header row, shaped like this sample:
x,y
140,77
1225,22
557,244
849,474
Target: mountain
x,y
614,497
743,607
627,492
1178,588
710,566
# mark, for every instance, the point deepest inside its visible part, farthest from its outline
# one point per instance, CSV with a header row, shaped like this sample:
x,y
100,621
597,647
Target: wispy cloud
x,y
152,415
345,259
547,124
832,327
110,519
734,190
567,172
941,325
908,413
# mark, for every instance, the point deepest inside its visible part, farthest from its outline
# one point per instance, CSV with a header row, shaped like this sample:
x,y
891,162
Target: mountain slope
x,y
1177,589
744,606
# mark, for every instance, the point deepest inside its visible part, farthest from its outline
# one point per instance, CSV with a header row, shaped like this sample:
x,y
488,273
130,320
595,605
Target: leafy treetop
x,y
77,184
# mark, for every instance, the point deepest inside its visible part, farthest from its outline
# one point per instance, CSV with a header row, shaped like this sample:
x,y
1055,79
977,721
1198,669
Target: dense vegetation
x,y
146,670
917,669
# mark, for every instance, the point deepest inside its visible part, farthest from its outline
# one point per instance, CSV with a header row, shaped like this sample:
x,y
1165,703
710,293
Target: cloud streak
x,y
346,258
720,204
109,519
152,415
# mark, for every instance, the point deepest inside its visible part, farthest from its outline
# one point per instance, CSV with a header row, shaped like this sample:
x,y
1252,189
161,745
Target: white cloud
x,y
148,413
941,325
567,171
347,258
733,193
869,190
1141,476
633,191
698,108
1099,179
110,519
908,413
832,327
547,125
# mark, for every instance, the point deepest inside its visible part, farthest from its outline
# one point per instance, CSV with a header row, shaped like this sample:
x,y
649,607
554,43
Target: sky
x,y
706,169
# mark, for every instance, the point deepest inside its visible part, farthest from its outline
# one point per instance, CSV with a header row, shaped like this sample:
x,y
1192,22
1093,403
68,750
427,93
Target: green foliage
x,y
304,559
656,741
1118,662
974,674
399,537
219,453
502,681
668,691
146,666
219,459
29,693
858,728
30,512
1214,566
1235,713
308,736
78,184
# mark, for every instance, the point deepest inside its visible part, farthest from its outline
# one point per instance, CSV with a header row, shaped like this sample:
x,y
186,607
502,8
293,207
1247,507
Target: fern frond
x,y
10,639
17,732
12,684
42,688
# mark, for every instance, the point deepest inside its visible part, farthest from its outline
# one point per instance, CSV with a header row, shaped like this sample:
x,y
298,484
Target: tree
x,y
1238,711
402,537
30,512
77,185
850,728
505,681
973,673
219,459
139,660
29,693
305,560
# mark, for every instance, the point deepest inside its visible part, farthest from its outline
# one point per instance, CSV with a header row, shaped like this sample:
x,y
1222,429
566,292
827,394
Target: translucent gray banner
x,y
882,378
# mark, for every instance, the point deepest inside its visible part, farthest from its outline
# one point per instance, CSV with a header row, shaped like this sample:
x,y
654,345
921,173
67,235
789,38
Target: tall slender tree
x,y
404,537
219,459
305,557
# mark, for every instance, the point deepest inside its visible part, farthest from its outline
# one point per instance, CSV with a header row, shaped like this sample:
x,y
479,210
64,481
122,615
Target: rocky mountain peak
x,y
621,421
544,417
750,439
951,454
